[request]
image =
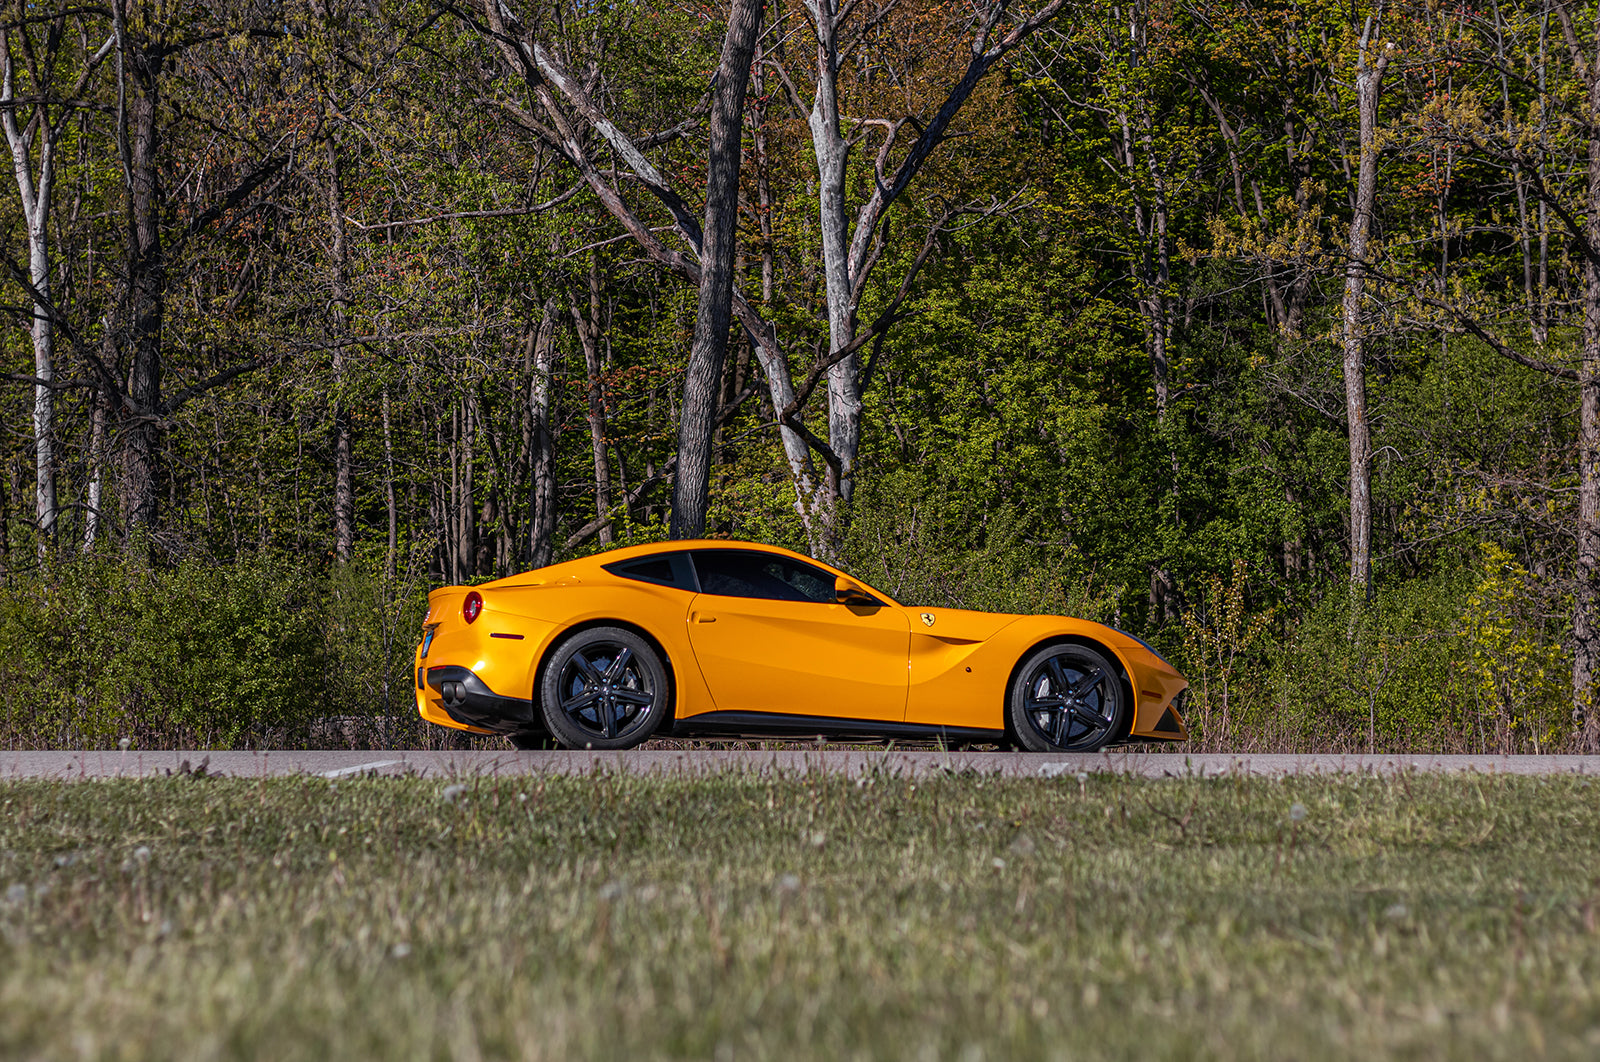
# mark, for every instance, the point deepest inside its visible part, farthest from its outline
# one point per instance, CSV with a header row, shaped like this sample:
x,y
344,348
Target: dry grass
x,y
738,916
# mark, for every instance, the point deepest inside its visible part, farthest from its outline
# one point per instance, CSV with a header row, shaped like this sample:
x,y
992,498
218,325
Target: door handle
x,y
701,617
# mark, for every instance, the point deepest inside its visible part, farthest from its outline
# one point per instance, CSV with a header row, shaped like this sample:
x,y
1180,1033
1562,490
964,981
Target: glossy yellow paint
x,y
926,666
517,609
800,657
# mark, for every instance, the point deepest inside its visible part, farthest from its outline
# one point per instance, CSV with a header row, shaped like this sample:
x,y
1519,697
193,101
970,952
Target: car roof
x,y
596,561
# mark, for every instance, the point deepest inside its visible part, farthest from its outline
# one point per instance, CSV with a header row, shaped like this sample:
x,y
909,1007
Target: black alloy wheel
x,y
603,688
1065,698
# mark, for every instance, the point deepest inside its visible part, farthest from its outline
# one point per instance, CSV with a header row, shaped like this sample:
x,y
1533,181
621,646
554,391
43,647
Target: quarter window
x,y
664,569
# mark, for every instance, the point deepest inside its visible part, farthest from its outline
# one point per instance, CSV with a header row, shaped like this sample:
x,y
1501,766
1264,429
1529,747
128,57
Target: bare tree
x,y
564,111
540,444
850,252
1368,89
588,317
129,373
1586,610
344,494
33,126
703,380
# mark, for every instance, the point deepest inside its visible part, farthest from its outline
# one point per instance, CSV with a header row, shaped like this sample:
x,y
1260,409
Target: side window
x,y
741,573
664,569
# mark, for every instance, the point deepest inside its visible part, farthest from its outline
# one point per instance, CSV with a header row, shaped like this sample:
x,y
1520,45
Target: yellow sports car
x,y
719,638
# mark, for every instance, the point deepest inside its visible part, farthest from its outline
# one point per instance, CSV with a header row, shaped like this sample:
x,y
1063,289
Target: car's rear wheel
x,y
1065,698
603,688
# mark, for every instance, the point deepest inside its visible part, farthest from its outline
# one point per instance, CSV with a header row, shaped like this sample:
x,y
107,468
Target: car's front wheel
x,y
1065,698
603,688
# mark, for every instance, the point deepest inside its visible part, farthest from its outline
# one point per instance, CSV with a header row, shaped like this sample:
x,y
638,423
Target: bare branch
x,y
509,212
1471,325
52,385
177,401
238,194
633,495
885,194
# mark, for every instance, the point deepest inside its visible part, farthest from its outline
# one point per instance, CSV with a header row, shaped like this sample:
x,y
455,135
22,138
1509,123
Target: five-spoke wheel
x,y
1065,698
603,688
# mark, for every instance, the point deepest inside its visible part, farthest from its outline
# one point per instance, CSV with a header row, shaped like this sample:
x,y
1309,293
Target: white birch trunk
x,y
97,449
35,196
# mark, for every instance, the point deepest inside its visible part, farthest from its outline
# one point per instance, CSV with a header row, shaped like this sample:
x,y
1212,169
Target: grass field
x,y
738,917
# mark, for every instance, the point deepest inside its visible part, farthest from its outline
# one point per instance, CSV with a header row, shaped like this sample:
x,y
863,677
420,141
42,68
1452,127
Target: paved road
x,y
76,765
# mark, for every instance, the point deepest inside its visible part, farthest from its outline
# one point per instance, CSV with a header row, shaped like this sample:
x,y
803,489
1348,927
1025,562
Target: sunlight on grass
x,y
814,917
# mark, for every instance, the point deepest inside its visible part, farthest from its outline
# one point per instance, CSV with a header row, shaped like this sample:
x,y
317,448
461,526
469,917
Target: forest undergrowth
x,y
262,652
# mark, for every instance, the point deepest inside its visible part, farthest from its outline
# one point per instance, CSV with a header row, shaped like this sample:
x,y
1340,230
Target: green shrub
x,y
1385,675
1227,661
373,626
1518,672
93,650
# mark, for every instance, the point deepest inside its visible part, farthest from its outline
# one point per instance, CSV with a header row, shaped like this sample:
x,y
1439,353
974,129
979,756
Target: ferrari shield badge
x,y
927,619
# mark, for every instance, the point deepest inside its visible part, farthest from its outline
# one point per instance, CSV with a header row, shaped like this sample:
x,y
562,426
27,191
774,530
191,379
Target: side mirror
x,y
847,591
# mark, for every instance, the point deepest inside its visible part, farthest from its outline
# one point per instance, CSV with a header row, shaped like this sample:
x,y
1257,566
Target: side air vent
x,y
1168,724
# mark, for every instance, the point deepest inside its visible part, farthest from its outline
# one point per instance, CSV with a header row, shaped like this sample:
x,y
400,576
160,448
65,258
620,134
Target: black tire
x,y
531,742
603,688
1065,698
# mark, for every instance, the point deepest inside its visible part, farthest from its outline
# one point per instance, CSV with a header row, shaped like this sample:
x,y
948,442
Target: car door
x,y
769,637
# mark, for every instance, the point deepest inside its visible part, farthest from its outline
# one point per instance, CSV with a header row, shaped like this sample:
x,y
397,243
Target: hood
x,y
957,624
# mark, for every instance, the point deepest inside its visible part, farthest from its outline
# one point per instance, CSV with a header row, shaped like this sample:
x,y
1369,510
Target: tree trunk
x,y
35,197
344,495
1586,607
39,133
484,555
452,518
758,139
390,565
97,449
588,327
44,371
844,385
691,488
465,513
542,460
140,430
441,496
1369,84
136,320
1154,266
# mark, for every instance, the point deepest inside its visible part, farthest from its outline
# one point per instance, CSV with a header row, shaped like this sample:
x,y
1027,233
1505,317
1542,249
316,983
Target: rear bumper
x,y
469,702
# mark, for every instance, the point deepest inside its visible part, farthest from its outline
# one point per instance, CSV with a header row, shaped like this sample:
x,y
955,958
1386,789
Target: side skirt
x,y
774,724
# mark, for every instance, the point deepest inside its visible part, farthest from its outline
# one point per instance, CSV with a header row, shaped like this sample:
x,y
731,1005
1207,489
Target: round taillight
x,y
472,606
